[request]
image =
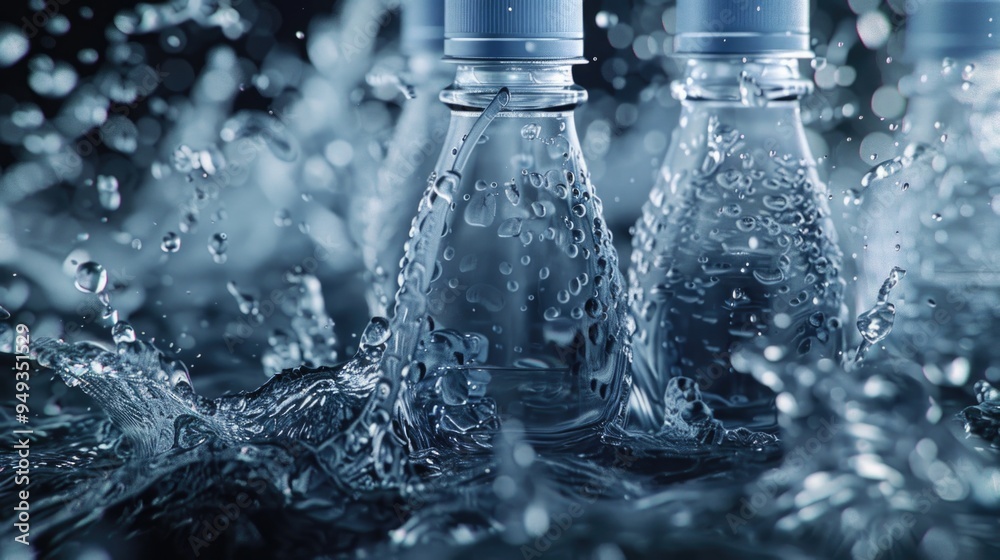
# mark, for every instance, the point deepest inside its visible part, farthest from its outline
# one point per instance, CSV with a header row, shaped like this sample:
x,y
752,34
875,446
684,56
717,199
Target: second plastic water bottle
x,y
736,241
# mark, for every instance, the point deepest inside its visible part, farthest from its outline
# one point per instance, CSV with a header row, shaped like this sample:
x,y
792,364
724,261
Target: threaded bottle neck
x,y
753,82
533,85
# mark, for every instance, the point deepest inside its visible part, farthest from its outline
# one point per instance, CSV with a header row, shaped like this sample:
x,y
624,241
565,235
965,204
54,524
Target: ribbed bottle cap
x,y
513,29
942,28
736,27
423,26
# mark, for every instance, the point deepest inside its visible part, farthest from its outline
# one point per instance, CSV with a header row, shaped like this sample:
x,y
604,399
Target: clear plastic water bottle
x,y
509,246
380,217
933,210
736,240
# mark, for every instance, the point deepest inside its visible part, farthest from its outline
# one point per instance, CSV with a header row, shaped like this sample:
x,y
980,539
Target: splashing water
x,y
876,323
401,450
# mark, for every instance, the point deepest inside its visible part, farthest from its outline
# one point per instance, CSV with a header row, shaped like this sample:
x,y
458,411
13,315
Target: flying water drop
x,y
171,243
123,333
217,246
91,278
876,323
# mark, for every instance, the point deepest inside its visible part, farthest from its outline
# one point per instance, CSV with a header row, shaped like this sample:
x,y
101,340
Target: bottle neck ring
x,y
753,82
533,85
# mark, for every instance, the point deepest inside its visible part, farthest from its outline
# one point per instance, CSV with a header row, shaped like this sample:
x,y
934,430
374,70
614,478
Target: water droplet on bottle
x,y
447,185
531,131
482,209
171,243
510,227
91,278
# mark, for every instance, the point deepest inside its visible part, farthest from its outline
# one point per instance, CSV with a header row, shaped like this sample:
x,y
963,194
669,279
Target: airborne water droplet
x,y
91,278
171,243
122,333
218,246
376,333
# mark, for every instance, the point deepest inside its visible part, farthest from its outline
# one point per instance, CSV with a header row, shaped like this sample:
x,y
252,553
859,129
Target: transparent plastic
x,y
380,216
933,211
510,247
735,241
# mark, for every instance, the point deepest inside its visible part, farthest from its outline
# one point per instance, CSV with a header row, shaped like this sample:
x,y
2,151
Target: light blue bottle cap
x,y
513,29
742,27
959,28
423,26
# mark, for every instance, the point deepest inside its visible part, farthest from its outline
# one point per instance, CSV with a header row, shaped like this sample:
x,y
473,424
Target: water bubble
x,y
217,246
531,131
300,35
376,333
171,242
91,278
511,227
447,185
513,193
482,210
4,314
123,333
